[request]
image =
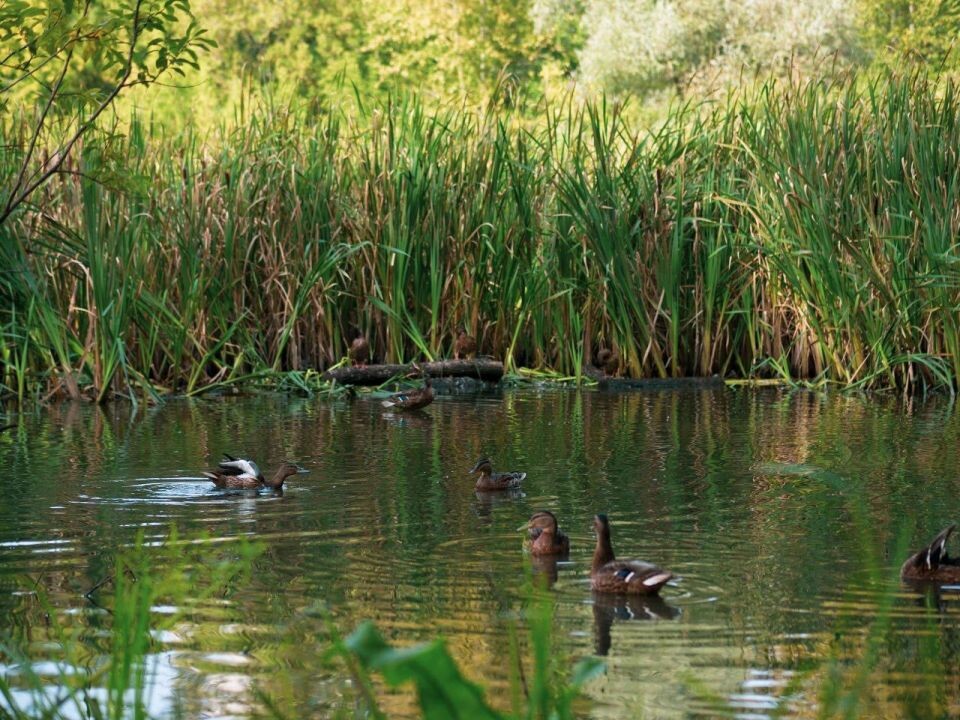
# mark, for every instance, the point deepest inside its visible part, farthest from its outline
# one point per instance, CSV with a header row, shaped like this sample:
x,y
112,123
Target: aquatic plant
x,y
117,684
181,575
804,230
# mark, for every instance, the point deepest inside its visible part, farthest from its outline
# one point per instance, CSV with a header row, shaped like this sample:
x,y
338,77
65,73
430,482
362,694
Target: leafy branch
x,y
136,42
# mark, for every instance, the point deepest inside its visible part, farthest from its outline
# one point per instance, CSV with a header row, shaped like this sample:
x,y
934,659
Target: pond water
x,y
784,516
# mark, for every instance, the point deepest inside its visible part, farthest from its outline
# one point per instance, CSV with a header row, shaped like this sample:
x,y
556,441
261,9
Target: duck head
x,y
483,467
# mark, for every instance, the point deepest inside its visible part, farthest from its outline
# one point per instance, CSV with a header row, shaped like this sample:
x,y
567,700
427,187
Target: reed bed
x,y
805,231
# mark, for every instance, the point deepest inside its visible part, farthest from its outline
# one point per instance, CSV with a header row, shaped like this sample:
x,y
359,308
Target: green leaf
x,y
586,670
444,693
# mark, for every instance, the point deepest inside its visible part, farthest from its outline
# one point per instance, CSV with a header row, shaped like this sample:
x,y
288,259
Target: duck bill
x,y
525,526
302,470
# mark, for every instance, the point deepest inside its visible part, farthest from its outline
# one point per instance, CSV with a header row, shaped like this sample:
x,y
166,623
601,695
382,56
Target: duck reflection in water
x,y
545,569
409,418
487,501
607,608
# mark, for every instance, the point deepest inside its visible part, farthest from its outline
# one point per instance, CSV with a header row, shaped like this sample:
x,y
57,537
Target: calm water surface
x,y
784,517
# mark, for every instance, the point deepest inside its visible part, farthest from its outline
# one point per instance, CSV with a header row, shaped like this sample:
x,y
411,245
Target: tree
x,y
63,63
926,29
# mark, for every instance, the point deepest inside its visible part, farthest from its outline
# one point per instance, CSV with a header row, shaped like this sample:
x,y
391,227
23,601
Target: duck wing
x,y
398,400
933,555
239,467
630,576
509,479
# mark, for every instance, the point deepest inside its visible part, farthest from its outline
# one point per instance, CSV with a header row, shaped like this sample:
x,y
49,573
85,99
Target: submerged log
x,y
481,369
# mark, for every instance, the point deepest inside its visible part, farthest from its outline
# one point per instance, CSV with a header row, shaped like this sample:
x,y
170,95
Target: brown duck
x,y
608,360
412,399
464,345
359,352
931,564
490,480
241,473
625,577
545,535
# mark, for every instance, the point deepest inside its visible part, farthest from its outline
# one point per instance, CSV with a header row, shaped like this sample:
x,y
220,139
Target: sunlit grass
x,y
800,231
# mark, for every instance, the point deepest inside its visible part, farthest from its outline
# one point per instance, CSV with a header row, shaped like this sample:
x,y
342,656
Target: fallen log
x,y
481,369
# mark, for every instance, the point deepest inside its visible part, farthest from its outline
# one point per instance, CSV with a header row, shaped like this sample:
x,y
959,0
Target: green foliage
x,y
639,47
925,29
804,231
183,575
443,692
63,63
325,51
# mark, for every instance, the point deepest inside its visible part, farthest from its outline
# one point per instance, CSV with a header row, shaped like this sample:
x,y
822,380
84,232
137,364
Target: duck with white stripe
x,y
235,472
624,577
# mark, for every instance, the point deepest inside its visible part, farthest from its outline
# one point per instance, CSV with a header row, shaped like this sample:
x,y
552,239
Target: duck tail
x,y
658,580
211,476
936,552
387,403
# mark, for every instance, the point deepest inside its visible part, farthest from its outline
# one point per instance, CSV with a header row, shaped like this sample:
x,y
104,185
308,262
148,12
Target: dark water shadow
x,y
623,608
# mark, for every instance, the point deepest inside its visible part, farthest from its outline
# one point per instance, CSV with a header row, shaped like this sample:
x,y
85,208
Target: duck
x,y
932,564
545,535
608,360
412,399
359,351
464,345
490,480
236,472
624,577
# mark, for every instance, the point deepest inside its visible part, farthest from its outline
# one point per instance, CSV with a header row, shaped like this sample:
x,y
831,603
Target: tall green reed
x,y
112,678
801,229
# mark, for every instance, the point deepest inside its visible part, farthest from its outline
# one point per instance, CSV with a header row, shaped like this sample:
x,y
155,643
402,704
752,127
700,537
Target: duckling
x,y
241,473
489,480
412,399
608,360
545,535
931,564
632,577
359,352
464,345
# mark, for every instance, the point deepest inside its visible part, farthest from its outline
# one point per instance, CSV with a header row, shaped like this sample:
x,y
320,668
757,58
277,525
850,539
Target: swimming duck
x,y
627,577
359,352
931,564
464,345
608,360
545,535
489,480
412,399
241,473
